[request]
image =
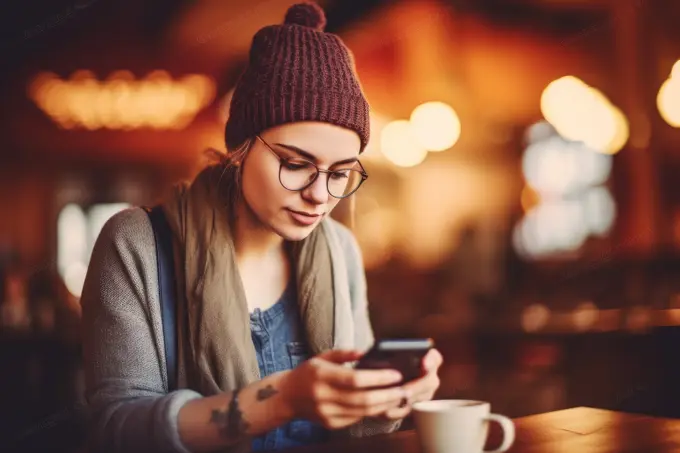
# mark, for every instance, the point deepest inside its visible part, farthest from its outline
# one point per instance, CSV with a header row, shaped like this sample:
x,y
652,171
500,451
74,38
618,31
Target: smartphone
x,y
403,355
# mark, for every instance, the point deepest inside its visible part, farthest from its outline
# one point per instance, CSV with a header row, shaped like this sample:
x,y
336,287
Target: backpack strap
x,y
165,259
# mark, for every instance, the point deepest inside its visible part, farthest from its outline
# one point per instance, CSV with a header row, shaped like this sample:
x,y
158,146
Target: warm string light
x,y
122,102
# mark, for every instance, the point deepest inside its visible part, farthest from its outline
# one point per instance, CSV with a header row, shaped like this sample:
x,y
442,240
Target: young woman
x,y
272,302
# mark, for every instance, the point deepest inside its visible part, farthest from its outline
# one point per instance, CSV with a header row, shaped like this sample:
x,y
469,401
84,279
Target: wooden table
x,y
578,430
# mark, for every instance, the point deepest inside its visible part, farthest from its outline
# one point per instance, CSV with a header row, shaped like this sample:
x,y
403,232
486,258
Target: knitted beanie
x,y
297,72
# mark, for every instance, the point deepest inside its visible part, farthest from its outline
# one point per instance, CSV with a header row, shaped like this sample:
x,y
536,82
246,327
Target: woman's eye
x,y
296,165
340,174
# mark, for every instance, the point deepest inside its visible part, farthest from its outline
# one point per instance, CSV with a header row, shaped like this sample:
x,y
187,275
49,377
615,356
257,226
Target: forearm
x,y
219,421
142,424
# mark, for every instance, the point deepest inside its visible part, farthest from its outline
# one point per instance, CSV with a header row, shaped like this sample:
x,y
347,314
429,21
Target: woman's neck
x,y
252,240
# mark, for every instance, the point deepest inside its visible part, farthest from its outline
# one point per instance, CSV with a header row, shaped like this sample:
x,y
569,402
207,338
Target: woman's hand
x,y
422,389
325,391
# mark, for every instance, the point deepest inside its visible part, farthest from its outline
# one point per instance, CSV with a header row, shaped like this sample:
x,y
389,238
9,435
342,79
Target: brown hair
x,y
227,168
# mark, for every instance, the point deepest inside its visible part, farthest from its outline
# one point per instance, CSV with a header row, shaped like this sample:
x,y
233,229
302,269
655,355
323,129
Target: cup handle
x,y
508,432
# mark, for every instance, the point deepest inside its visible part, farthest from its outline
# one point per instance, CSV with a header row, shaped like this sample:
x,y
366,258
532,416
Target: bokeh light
x,y
436,126
585,316
74,278
529,198
675,70
121,102
566,200
599,210
668,99
535,317
554,166
399,145
582,113
77,232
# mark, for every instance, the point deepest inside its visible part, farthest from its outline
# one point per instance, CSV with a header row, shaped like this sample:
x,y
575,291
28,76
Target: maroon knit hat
x,y
297,72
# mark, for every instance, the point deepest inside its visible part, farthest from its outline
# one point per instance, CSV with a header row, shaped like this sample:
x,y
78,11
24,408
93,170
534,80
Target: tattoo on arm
x,y
230,422
266,393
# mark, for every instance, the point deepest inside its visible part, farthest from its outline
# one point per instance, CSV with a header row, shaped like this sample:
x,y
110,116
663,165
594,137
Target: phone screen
x,y
403,355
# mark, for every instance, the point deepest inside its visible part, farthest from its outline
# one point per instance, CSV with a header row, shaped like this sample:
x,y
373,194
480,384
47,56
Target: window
x,y
77,231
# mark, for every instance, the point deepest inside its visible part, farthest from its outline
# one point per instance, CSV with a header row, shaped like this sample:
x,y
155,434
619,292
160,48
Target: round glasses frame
x,y
284,160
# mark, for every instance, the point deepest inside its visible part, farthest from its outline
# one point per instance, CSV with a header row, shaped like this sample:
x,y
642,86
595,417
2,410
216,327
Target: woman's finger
x,y
405,409
339,410
340,356
432,360
423,389
349,378
421,385
427,396
398,413
365,399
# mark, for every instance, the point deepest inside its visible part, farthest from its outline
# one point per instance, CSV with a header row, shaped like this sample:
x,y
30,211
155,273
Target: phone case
x,y
406,359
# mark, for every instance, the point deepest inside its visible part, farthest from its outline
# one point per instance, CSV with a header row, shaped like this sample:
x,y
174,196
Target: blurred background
x,y
523,205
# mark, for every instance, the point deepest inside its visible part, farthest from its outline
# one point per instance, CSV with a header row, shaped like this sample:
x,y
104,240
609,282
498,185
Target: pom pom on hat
x,y
306,14
296,72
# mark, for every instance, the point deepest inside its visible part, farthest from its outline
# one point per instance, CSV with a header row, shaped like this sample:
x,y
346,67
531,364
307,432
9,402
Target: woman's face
x,y
293,215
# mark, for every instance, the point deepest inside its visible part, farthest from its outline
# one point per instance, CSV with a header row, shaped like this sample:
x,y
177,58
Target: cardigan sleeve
x,y
126,384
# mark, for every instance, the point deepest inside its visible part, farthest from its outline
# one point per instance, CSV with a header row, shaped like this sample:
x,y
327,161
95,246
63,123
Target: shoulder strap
x,y
165,259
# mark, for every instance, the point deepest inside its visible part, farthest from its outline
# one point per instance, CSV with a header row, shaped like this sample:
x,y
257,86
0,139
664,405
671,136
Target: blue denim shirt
x,y
280,345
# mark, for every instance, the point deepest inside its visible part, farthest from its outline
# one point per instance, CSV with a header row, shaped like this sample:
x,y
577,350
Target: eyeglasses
x,y
296,174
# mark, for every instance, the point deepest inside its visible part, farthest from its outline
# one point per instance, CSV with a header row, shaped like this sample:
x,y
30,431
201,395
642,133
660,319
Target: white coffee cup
x,y
458,426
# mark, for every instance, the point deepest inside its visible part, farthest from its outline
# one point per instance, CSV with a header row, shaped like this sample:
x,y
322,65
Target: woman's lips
x,y
304,218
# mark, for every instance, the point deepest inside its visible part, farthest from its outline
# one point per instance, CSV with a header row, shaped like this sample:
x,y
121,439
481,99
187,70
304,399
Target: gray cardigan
x,y
126,377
